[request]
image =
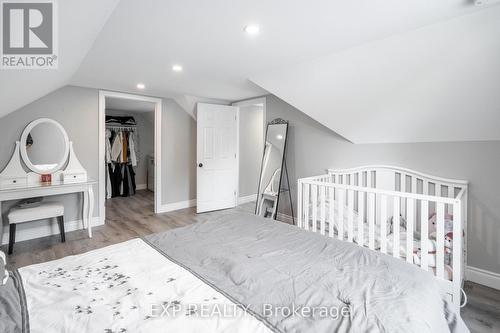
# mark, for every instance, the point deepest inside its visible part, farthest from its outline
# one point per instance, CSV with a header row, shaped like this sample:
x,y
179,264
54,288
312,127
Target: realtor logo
x,y
28,34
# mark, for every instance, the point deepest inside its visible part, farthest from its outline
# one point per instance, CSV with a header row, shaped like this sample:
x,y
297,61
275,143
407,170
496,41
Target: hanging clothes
x,y
121,156
107,141
133,155
117,147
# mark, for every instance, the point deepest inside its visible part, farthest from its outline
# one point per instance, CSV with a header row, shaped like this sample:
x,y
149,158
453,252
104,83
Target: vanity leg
x,y
12,237
85,209
91,209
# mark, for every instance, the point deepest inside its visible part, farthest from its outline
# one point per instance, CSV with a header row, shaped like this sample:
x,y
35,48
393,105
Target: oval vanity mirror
x,y
44,146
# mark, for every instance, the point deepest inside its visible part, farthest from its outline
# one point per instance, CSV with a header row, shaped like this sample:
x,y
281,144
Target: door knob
x,y
200,165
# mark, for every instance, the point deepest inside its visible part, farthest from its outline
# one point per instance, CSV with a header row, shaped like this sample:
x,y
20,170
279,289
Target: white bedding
x,y
377,231
121,288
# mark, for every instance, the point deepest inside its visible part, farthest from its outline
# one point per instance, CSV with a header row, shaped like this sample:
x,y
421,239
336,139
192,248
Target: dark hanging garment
x,y
131,174
117,180
125,181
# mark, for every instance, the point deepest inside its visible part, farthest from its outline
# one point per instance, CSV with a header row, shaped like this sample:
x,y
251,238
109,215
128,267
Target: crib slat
x,y
409,230
300,188
457,246
368,179
307,204
383,224
371,220
341,215
395,227
361,215
322,198
331,207
451,194
314,189
440,240
438,190
424,224
425,187
350,220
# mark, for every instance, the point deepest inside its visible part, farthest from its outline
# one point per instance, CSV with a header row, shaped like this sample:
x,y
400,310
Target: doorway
x,y
251,133
129,152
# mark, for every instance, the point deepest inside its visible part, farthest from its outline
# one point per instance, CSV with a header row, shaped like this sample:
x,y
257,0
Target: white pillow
x,y
4,275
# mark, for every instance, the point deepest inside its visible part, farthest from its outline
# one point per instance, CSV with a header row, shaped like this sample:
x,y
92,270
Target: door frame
x,y
102,136
240,104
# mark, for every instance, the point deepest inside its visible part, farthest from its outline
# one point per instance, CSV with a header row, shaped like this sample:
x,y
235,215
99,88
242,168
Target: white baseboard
x,y
484,277
247,199
284,218
177,205
139,187
32,230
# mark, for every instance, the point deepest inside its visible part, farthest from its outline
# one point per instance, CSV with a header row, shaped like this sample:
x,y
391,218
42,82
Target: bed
x,y
237,273
403,213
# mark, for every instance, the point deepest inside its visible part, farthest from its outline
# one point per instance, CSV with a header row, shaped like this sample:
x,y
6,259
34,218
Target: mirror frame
x,y
277,121
24,153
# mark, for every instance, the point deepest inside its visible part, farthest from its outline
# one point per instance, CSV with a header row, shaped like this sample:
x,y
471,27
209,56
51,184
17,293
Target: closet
x,y
121,155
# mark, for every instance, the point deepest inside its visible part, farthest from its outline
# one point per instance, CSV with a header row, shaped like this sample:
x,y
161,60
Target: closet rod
x,y
114,127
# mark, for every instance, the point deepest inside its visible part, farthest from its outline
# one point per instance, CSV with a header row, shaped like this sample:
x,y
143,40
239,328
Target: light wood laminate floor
x,y
133,217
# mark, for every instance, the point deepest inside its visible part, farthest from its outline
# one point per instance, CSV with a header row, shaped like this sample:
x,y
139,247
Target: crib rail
x,y
351,207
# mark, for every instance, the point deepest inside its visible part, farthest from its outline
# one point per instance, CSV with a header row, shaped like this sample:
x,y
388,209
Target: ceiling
x,y
115,46
122,104
79,25
437,83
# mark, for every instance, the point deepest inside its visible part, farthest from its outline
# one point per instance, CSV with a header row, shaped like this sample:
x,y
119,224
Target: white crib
x,y
357,200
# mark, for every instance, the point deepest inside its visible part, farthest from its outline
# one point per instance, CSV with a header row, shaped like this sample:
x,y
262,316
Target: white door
x,y
217,175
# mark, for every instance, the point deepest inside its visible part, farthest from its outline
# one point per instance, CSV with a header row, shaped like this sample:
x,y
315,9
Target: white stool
x,y
45,210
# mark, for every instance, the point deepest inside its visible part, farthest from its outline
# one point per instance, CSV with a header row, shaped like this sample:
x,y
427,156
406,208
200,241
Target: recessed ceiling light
x,y
177,68
252,29
140,86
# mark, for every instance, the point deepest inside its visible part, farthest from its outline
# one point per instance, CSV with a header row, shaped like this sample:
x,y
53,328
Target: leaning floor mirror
x,y
272,169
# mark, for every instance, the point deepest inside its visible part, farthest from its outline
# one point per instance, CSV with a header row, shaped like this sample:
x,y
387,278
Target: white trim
x,y
284,218
157,145
482,276
457,182
247,199
140,187
239,104
177,205
44,229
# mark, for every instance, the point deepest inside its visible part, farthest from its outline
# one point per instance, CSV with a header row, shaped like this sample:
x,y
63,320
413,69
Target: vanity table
x,y
45,151
55,188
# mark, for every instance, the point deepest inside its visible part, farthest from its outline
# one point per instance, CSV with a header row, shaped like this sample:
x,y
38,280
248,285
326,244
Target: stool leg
x,y
12,237
60,221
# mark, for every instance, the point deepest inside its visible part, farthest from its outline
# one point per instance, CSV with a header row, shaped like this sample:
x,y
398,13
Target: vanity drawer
x,y
12,181
76,177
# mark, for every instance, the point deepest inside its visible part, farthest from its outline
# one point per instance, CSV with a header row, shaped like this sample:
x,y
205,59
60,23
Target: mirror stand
x,y
287,189
273,168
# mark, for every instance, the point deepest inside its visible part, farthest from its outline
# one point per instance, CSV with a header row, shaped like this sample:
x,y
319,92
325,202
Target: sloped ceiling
x,y
143,39
437,83
348,64
79,24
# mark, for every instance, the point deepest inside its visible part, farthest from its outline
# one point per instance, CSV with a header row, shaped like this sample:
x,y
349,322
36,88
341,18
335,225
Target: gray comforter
x,y
298,281
291,280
